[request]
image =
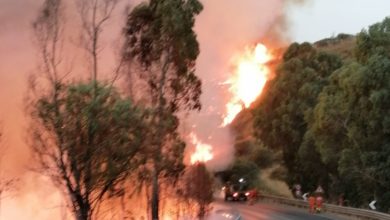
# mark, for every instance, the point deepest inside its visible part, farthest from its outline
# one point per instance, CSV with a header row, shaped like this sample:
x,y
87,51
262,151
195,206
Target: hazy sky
x,y
318,19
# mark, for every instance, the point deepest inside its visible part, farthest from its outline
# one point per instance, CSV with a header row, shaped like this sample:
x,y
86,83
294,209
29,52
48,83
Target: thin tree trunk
x,y
202,211
160,106
83,212
155,196
148,202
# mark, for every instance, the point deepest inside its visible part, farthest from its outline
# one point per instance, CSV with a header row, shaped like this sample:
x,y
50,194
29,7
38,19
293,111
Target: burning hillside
x,y
248,80
251,70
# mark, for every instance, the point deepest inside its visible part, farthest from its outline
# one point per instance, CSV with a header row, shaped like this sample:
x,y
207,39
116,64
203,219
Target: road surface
x,y
268,211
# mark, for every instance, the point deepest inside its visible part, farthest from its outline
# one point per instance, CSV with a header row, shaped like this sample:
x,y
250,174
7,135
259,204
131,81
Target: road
x,y
266,211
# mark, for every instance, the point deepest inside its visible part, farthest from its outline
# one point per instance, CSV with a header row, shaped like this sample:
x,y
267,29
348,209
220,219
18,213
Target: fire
x,y
250,75
203,152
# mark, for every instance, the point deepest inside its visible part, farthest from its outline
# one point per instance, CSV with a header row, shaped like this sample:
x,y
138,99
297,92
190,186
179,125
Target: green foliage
x,y
262,156
375,40
287,103
246,169
331,120
160,40
87,138
332,114
159,35
351,124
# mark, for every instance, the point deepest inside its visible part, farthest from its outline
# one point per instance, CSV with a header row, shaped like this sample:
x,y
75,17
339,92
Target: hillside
x,y
342,44
242,125
324,119
247,146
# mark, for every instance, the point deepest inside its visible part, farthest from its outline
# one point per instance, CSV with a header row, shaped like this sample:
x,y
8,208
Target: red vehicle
x,y
235,193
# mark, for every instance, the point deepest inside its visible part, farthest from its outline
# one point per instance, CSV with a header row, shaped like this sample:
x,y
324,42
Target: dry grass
x,y
272,186
343,45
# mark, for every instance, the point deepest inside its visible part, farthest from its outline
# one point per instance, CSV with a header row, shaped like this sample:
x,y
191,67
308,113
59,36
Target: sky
x,y
318,19
224,27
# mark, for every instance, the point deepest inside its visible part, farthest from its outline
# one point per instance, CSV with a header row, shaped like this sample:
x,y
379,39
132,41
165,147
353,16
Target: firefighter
x,y
312,203
319,201
252,196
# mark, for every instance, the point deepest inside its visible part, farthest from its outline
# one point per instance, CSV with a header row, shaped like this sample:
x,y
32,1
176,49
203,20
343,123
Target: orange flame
x,y
248,81
203,152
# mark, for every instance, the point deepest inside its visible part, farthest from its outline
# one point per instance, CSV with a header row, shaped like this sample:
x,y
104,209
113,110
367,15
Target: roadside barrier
x,y
340,210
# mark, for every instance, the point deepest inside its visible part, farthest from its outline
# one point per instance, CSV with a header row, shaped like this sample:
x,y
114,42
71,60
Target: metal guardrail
x,y
340,210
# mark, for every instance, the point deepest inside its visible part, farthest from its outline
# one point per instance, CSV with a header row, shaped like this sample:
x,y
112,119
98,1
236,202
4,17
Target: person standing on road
x,y
312,203
252,196
319,201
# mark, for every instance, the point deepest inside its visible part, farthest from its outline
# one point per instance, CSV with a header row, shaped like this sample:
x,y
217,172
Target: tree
x,y
161,48
373,41
198,186
94,14
84,143
262,156
48,29
351,120
287,103
246,170
85,135
331,119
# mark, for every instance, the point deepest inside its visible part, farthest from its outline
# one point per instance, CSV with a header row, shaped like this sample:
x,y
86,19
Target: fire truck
x,y
235,192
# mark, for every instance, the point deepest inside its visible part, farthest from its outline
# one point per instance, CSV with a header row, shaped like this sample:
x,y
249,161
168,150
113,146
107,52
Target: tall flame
x,y
248,81
203,152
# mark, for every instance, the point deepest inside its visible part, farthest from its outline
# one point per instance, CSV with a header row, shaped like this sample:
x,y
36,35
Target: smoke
x,y
225,28
36,199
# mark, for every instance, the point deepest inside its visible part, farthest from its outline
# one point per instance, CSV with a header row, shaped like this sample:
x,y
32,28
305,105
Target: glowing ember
x,y
202,151
248,81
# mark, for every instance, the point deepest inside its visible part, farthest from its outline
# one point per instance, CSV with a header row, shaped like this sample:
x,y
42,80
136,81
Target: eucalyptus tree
x,y
286,109
161,49
351,119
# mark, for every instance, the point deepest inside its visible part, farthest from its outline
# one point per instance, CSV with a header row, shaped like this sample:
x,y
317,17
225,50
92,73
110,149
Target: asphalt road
x,y
266,211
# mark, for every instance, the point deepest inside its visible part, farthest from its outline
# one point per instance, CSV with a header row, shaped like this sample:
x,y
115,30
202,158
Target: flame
x,y
203,152
247,83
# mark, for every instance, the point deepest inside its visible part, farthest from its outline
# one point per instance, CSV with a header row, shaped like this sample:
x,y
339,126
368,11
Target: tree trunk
x,y
155,196
202,211
83,212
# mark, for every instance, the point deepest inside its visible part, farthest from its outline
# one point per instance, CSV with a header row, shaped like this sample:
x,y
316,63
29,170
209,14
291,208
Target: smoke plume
x,y
225,28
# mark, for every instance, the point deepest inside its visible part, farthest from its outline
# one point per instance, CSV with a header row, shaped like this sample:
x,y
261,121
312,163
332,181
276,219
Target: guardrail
x,y
340,210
